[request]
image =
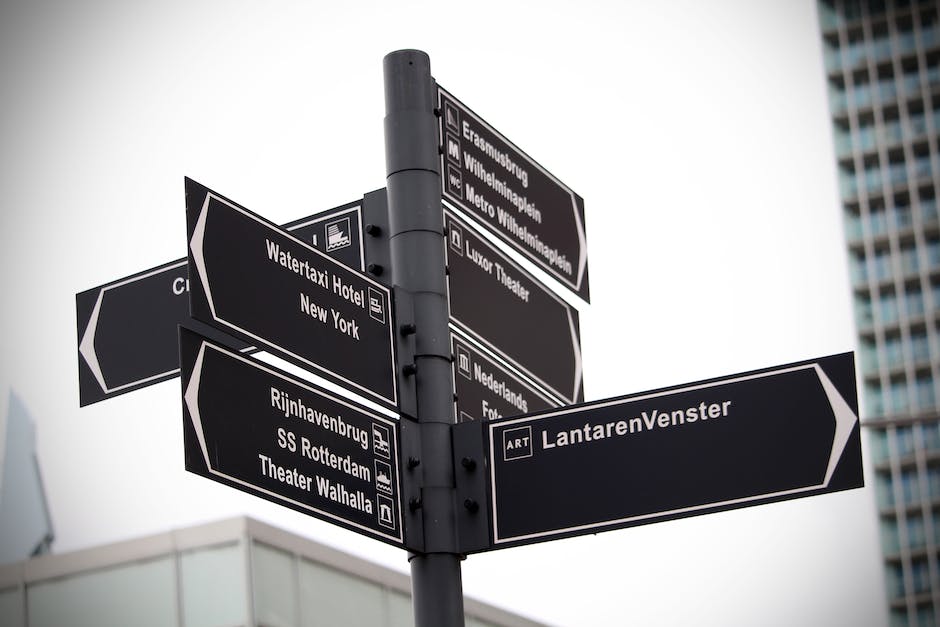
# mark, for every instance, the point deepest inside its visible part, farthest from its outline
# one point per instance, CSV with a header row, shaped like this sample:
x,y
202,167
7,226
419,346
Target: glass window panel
x,y
894,580
931,432
926,396
928,209
874,400
904,440
888,311
915,532
400,613
915,303
275,587
329,598
878,222
910,487
140,594
11,607
894,356
878,444
920,347
890,540
884,490
933,481
925,616
921,576
899,399
214,584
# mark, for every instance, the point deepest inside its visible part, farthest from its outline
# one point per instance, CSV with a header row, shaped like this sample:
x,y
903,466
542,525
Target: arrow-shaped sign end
x,y
191,398
845,422
195,245
87,346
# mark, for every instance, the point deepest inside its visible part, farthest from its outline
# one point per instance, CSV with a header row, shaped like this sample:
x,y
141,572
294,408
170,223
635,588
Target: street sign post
x,y
252,427
127,328
753,438
488,177
499,304
487,389
258,282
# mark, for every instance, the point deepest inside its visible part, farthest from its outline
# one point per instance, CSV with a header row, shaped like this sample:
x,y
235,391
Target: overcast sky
x,y
696,132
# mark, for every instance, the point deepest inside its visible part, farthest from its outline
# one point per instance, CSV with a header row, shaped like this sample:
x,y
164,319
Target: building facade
x,y
882,64
233,572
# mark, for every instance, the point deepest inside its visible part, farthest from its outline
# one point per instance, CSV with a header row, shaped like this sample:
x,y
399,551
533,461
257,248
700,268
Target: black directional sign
x,y
486,175
511,313
254,428
742,440
254,280
487,389
127,328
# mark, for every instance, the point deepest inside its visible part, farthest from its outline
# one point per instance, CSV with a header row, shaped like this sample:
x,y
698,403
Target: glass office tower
x,y
882,63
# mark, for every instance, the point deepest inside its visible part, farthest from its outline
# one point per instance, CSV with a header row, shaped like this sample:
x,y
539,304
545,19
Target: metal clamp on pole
x,y
416,241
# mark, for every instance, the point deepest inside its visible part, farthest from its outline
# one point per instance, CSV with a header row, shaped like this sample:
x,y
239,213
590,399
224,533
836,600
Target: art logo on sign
x,y
517,443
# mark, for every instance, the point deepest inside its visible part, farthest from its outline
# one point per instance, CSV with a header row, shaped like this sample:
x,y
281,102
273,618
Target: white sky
x,y
696,132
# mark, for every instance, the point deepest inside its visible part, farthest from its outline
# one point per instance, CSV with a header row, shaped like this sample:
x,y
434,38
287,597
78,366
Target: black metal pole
x,y
416,242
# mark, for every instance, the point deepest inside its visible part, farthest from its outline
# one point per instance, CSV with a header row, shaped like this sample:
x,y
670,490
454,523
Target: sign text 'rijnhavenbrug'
x,y
252,427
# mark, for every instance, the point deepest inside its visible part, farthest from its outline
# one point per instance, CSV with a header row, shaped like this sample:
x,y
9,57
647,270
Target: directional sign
x,y
254,280
127,328
486,175
511,313
254,428
752,438
487,389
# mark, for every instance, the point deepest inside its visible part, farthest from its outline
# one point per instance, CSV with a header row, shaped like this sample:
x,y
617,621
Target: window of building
x,y
884,490
933,481
274,582
893,358
141,593
920,574
931,434
910,486
11,607
874,399
904,440
888,314
214,585
927,195
894,579
926,395
890,541
914,302
915,532
920,347
329,597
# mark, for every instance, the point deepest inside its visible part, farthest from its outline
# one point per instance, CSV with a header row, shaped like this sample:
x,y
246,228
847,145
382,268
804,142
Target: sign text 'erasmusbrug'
x,y
492,180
